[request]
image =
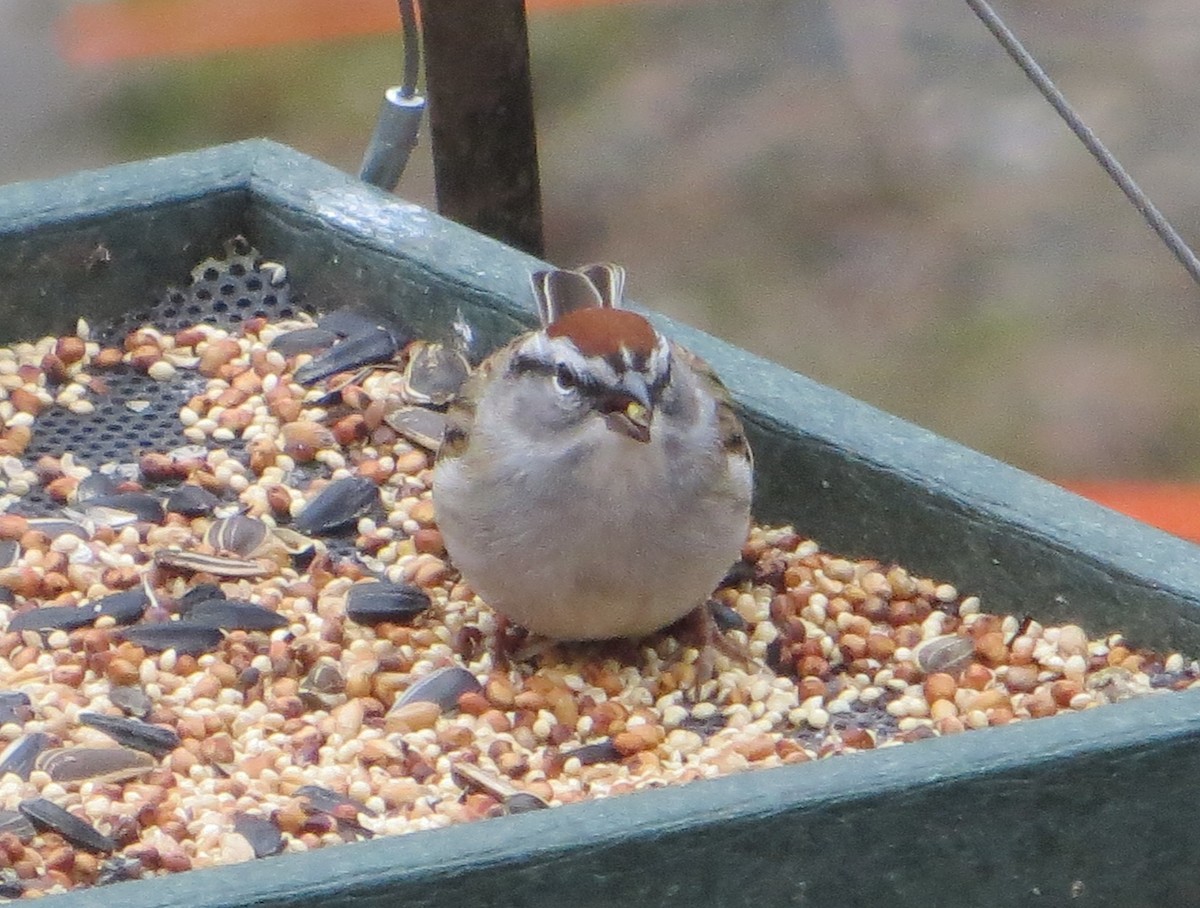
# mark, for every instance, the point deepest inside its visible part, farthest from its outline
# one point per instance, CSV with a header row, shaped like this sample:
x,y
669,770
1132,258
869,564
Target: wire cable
x,y
1158,223
412,48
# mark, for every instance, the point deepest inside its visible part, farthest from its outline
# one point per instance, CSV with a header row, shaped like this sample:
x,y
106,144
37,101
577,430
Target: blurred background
x,y
868,192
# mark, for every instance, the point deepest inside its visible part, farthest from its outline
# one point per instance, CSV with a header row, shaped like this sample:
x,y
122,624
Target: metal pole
x,y
481,118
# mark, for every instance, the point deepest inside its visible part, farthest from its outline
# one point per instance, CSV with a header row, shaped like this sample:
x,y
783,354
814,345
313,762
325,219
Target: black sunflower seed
x,y
124,607
375,345
53,618
21,755
15,822
201,592
14,707
182,636
134,733
142,505
11,885
95,485
49,816
443,687
523,802
304,340
347,321
117,869
192,501
10,551
741,572
235,614
324,800
376,601
263,835
340,503
726,618
598,752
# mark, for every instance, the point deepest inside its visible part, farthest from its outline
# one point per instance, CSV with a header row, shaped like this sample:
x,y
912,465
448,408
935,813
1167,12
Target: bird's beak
x,y
630,410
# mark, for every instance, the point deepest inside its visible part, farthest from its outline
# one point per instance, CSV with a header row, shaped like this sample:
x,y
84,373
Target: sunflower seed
x,y
10,551
238,535
54,527
420,426
125,607
377,345
343,809
263,835
53,618
443,687
98,764
292,542
434,374
14,707
21,755
201,592
49,816
304,340
192,501
132,700
598,752
523,802
340,503
324,800
118,869
16,823
346,321
211,564
235,614
183,637
324,685
514,799
143,505
376,601
949,653
133,733
11,886
95,485
725,617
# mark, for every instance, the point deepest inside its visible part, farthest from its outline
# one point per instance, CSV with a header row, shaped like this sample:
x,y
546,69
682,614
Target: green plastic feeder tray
x,y
1090,808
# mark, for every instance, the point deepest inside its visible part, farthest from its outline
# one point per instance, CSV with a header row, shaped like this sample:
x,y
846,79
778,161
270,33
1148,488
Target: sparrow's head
x,y
600,360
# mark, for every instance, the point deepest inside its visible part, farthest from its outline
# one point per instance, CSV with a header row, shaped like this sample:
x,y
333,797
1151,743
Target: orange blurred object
x,y
1174,507
114,30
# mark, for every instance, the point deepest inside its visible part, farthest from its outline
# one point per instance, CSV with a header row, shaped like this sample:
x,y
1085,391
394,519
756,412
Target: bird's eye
x,y
564,379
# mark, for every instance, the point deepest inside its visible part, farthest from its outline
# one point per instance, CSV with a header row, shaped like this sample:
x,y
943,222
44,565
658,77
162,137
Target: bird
x,y
594,480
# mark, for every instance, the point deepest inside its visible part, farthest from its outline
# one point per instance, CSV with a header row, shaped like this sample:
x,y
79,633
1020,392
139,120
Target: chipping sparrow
x,y
593,480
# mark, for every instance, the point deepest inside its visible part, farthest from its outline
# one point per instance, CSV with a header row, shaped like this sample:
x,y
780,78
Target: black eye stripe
x,y
586,385
523,365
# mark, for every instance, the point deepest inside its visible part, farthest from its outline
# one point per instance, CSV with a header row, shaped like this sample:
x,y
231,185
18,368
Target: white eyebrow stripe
x,y
555,350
